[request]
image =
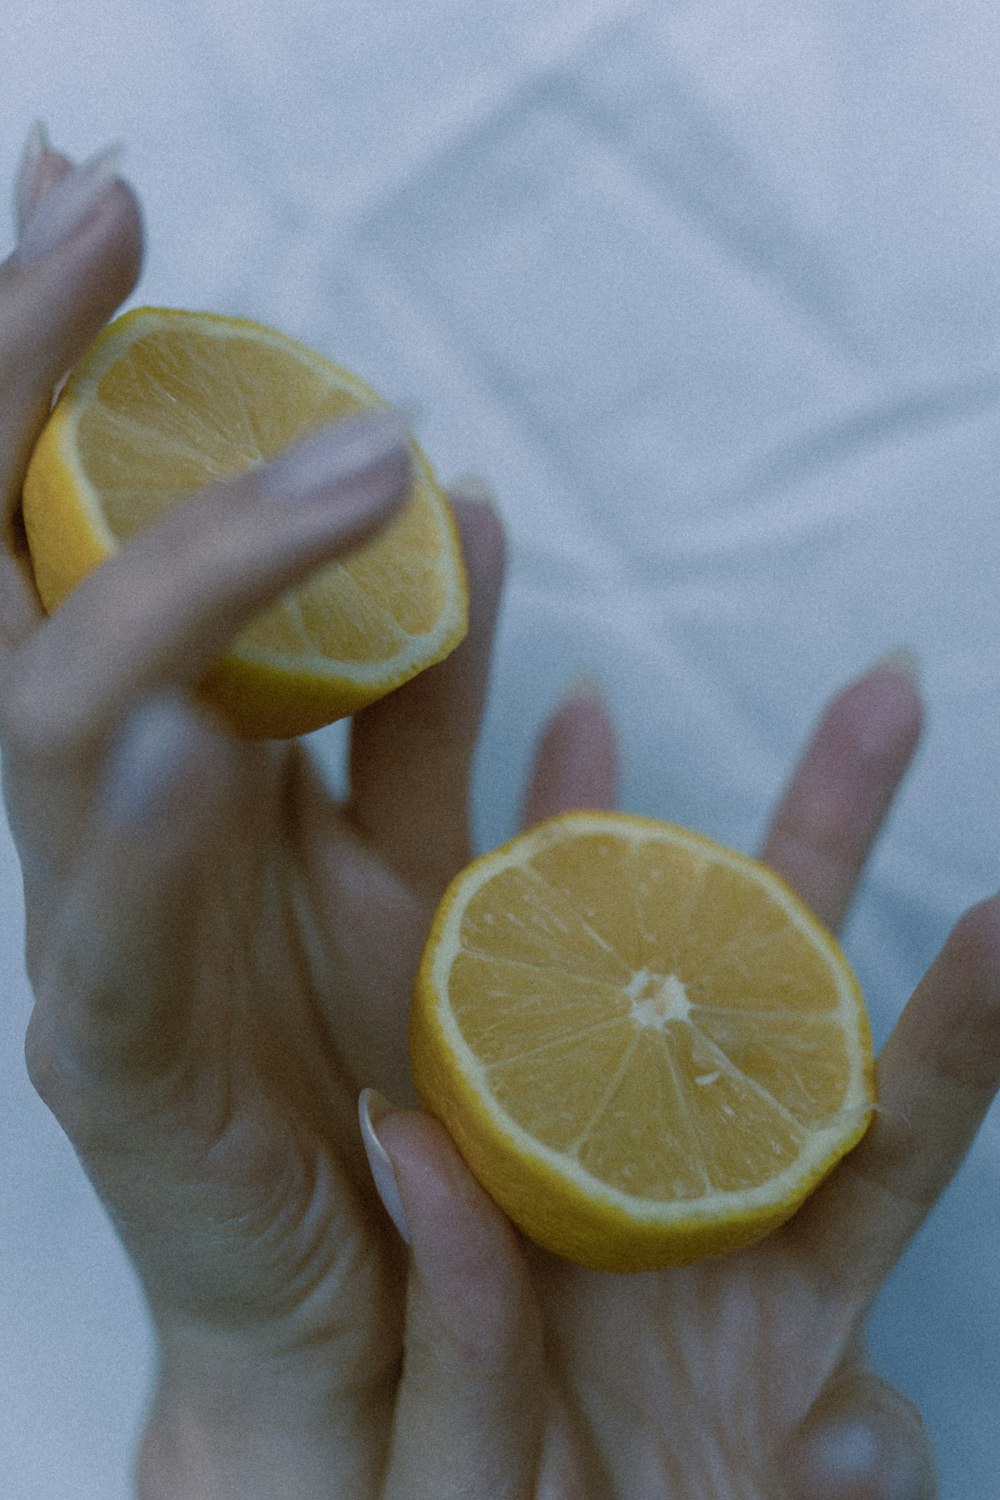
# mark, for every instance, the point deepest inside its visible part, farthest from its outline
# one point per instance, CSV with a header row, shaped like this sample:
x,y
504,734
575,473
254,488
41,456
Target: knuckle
x,y
47,1068
64,1079
39,1058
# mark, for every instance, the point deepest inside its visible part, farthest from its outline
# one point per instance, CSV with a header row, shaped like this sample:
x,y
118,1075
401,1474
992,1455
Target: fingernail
x,y
585,687
368,454
26,187
473,487
902,662
67,206
148,763
372,1106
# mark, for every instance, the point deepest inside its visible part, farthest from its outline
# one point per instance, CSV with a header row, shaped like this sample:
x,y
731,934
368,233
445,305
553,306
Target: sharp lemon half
x,y
166,402
644,1045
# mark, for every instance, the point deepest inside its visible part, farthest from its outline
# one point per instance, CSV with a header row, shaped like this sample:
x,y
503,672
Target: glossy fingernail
x,y
149,762
371,1107
364,458
67,206
26,187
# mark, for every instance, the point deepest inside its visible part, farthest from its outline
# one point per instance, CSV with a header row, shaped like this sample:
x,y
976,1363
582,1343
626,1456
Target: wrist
x,y
183,1455
223,1423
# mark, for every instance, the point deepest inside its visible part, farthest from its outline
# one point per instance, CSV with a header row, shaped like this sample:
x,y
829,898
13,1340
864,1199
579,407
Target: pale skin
x,y
218,978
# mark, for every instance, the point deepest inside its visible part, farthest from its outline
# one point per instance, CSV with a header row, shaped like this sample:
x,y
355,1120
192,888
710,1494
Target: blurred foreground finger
x,y
839,796
113,998
937,1076
39,171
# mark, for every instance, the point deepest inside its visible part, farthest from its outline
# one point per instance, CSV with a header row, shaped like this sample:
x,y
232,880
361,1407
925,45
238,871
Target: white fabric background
x,y
711,292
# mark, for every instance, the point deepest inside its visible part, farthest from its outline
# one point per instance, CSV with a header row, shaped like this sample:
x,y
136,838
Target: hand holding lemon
x,y
223,958
166,403
618,1120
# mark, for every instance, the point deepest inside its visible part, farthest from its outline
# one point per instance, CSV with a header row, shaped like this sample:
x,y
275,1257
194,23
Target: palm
x,y
691,1381
727,1356
294,1001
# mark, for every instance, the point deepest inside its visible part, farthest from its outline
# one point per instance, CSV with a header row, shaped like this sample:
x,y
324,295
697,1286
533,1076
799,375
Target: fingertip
x,y
884,709
40,170
472,491
902,663
125,226
576,764
586,691
63,300
956,1024
974,942
484,542
863,1437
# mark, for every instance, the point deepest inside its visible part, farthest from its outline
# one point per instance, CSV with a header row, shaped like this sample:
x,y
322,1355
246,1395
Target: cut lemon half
x,y
167,402
645,1047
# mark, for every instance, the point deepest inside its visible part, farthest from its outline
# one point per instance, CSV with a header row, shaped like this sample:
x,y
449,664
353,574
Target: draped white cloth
x,y
711,293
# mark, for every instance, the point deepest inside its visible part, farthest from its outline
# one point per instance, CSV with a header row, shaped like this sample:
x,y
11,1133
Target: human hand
x,y
744,1375
221,955
215,985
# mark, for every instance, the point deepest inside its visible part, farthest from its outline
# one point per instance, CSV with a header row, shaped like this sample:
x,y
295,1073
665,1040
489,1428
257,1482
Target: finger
x,y
937,1077
469,1410
20,607
52,308
411,753
40,169
114,1002
863,1440
840,794
49,312
144,1045
576,764
159,612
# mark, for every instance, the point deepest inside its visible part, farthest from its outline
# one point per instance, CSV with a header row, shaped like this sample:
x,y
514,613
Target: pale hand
x,y
220,972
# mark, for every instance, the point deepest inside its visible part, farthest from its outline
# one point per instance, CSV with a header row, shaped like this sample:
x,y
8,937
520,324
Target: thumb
x,y
862,1440
469,1412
